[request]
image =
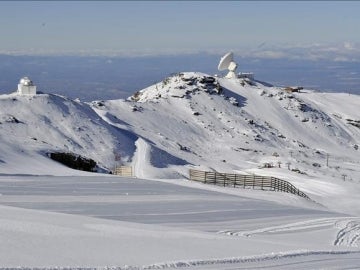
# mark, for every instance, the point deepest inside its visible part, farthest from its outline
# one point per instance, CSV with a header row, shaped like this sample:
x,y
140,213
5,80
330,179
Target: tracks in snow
x,y
349,234
220,263
291,227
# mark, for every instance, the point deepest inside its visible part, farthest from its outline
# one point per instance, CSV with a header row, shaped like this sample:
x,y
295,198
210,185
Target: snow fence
x,y
242,180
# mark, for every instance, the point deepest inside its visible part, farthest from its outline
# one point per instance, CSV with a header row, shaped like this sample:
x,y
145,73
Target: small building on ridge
x,y
26,87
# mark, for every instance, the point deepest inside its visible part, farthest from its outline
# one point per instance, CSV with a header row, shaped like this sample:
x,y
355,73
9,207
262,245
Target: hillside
x,y
194,120
53,216
32,127
230,125
242,122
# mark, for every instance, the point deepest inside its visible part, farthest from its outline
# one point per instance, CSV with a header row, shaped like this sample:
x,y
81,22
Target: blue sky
x,y
173,27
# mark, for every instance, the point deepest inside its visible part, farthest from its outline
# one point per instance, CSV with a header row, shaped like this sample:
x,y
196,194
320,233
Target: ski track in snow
x,y
203,263
292,227
349,233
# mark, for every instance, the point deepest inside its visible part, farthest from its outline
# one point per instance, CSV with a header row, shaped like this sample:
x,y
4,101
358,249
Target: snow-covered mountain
x,y
189,120
192,120
211,121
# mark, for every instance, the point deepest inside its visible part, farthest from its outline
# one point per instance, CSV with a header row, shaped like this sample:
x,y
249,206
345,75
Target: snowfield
x,y
87,221
55,217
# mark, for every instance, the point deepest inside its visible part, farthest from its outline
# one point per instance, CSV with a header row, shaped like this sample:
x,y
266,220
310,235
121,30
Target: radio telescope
x,y
226,62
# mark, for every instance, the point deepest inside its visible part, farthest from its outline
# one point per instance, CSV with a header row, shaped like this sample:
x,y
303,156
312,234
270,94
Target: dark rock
x,y
74,161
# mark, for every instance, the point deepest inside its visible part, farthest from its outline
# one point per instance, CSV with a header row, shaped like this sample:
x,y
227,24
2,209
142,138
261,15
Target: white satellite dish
x,y
227,62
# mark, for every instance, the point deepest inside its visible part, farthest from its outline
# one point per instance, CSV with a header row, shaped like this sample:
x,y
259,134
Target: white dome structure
x,y
26,87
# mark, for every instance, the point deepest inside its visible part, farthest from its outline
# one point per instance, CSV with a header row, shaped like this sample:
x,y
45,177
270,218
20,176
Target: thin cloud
x,y
341,52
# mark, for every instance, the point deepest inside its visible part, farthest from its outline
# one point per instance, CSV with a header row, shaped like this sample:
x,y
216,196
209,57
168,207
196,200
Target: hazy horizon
x,y
98,77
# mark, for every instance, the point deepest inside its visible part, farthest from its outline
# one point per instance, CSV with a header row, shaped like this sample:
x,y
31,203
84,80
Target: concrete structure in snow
x,y
26,87
246,75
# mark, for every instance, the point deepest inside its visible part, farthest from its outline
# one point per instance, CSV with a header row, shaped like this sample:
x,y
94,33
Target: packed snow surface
x,y
55,217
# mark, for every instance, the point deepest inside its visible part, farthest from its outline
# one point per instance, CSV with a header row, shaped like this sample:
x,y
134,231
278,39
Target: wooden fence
x,y
123,171
241,180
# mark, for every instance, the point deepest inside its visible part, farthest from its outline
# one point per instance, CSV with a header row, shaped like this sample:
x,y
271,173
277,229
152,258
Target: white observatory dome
x,y
26,87
26,81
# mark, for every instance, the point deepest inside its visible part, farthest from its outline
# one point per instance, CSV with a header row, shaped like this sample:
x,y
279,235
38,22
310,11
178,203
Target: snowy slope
x,y
31,127
106,221
185,117
231,125
114,222
193,120
189,120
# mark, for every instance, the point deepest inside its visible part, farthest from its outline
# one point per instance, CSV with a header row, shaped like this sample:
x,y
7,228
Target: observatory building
x,y
26,87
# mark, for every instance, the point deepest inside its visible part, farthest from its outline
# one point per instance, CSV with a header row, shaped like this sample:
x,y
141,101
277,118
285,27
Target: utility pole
x,y
288,165
327,160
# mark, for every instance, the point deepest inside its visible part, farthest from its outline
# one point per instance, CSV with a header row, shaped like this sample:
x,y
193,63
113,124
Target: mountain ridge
x,y
192,120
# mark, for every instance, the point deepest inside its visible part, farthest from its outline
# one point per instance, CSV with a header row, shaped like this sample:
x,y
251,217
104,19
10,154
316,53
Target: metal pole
x,y
327,160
